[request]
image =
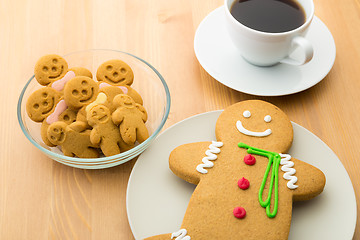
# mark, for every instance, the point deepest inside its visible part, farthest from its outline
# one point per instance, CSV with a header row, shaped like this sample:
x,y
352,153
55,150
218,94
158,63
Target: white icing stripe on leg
x,y
180,235
213,149
289,170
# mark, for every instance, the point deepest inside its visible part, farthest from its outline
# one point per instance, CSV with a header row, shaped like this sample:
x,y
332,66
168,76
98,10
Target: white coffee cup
x,y
267,49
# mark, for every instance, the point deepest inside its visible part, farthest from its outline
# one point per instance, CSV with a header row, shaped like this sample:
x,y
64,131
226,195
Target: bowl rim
x,y
131,152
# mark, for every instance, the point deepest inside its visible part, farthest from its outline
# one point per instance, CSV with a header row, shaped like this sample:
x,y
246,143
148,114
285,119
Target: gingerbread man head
x,y
56,133
257,123
80,91
50,68
115,72
98,114
41,103
123,100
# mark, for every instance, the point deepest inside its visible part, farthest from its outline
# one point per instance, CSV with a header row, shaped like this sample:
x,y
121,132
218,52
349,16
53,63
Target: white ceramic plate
x,y
157,199
221,59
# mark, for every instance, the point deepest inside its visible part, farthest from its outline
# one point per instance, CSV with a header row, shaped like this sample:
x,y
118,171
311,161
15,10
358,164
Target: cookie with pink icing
x,y
246,183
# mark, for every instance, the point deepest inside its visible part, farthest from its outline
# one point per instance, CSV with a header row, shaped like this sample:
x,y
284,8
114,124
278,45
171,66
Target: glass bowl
x,y
147,82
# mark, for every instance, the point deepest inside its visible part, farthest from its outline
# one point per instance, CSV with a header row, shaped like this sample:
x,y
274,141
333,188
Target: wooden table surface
x,y
42,199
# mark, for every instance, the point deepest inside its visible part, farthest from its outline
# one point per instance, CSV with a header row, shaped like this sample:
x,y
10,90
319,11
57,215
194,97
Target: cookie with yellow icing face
x,y
80,91
246,183
115,72
50,68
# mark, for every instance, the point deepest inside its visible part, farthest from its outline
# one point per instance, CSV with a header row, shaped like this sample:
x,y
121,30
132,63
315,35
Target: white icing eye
x,y
247,113
267,118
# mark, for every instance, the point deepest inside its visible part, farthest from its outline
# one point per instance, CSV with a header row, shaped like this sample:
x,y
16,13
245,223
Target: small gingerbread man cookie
x,y
105,133
73,143
131,117
50,68
245,183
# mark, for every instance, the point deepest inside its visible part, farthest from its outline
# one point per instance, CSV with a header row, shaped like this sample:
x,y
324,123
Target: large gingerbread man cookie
x,y
246,184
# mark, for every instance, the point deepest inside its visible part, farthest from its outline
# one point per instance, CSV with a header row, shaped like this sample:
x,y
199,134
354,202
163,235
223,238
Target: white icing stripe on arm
x,y
213,149
180,235
289,170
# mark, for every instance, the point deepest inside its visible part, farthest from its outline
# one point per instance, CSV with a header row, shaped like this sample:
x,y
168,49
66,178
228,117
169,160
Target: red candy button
x,y
243,183
239,212
249,159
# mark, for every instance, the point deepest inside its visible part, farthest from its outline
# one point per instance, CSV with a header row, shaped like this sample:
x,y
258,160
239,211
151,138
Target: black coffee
x,y
272,16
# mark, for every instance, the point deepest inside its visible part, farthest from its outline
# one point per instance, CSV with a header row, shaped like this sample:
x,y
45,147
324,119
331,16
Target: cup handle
x,y
306,48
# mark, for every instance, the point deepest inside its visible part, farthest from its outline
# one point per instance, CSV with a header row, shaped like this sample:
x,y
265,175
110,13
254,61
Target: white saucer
x,y
156,199
222,60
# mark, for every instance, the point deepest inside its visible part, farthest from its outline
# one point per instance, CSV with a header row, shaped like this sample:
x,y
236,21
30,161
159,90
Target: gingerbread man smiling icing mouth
x,y
245,182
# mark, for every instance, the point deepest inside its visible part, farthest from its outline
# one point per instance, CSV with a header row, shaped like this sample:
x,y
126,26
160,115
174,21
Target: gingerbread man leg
x,y
109,147
128,133
142,133
90,153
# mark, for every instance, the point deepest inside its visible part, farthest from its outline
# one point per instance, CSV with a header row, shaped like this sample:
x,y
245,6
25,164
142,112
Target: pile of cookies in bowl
x,y
93,119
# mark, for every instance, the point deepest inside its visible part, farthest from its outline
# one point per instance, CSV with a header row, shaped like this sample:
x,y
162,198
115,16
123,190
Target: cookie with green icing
x,y
246,183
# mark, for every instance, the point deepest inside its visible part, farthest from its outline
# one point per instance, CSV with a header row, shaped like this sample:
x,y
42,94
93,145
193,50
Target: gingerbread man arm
x,y
67,152
78,126
134,95
118,116
184,160
310,181
95,137
143,112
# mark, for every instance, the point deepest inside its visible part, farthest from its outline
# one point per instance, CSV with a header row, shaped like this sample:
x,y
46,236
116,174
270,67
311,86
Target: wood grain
x,y
42,199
